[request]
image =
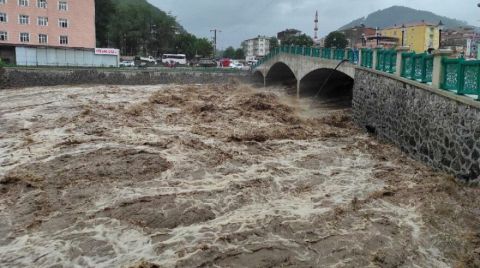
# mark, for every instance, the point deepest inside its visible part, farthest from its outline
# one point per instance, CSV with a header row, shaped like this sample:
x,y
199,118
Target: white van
x,y
180,59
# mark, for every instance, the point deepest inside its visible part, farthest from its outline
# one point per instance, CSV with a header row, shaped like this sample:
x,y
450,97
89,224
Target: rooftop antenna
x,y
316,26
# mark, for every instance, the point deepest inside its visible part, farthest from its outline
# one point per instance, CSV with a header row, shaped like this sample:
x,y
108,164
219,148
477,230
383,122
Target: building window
x,y
3,17
62,5
23,3
42,21
24,37
42,39
63,23
42,3
3,36
23,19
3,2
63,40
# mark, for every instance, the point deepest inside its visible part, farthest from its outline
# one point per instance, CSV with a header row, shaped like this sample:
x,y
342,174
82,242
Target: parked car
x,y
149,59
239,66
127,63
207,63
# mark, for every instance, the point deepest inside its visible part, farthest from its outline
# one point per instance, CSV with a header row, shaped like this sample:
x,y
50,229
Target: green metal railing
x,y
386,61
367,58
461,76
352,56
326,53
417,67
339,54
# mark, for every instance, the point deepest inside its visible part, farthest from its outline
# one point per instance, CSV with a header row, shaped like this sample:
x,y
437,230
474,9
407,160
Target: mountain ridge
x,y
399,14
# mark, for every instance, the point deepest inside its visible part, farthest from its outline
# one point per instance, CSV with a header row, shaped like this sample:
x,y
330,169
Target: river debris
x,y
216,176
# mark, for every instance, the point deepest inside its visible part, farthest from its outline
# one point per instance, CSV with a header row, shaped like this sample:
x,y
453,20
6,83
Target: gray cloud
x,y
244,19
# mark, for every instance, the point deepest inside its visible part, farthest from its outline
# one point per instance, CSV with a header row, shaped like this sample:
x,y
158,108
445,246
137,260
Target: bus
x,y
180,59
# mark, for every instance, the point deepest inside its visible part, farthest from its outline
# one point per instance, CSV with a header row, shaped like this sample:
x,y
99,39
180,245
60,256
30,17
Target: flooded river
x,y
216,176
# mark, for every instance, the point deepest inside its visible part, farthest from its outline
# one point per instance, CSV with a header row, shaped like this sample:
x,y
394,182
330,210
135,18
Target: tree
x,y
139,28
273,43
229,53
104,10
239,54
185,43
301,40
203,47
336,39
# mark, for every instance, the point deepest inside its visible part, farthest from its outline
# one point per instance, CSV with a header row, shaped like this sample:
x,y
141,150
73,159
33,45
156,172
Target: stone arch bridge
x,y
307,74
426,104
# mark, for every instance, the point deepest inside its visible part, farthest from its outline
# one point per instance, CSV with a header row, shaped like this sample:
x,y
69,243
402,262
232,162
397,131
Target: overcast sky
x,y
243,19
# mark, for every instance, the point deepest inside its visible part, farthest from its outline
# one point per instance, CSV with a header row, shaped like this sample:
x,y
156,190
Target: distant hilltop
x,y
399,15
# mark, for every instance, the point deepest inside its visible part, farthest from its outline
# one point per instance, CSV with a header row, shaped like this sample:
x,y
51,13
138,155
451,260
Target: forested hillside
x,y
139,28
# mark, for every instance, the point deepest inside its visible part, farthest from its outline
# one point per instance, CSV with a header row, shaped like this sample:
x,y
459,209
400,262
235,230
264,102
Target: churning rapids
x,y
215,176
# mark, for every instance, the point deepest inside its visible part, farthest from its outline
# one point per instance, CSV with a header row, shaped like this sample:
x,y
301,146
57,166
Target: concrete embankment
x,y
30,77
432,125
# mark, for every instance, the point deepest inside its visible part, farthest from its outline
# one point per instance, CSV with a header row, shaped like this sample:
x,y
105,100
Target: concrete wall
x,y
435,126
31,56
16,78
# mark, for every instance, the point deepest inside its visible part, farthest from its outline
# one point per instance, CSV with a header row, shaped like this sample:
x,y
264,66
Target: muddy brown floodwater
x,y
216,176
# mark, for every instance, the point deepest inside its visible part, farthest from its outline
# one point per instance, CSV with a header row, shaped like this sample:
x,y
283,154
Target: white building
x,y
256,47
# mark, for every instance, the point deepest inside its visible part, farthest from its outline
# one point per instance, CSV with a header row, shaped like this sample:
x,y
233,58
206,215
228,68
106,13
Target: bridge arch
x,y
280,74
337,85
258,78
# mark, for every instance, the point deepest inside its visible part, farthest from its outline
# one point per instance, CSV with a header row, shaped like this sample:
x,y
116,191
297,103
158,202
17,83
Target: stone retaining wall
x,y
435,126
16,78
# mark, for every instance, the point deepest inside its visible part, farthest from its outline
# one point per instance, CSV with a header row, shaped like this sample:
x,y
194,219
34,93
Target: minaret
x,y
316,27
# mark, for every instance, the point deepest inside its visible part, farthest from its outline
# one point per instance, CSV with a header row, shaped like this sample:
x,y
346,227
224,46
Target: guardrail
x,y
386,61
418,67
456,75
325,53
367,58
461,76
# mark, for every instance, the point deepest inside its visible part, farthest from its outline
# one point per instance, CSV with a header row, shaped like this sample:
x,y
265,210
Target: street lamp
x,y
403,35
364,40
377,34
440,29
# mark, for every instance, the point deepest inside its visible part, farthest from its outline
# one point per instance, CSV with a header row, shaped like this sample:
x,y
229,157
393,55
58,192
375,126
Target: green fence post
x,y
404,65
360,57
332,53
424,68
460,76
377,54
414,65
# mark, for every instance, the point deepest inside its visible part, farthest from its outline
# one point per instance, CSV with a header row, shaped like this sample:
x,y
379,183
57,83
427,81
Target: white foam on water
x,y
292,183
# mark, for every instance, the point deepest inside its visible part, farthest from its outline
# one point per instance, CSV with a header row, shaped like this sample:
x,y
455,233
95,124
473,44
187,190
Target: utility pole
x,y
215,31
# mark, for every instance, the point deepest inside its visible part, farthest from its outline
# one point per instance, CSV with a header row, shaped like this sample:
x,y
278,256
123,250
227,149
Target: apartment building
x,y
284,35
63,23
46,23
357,36
256,47
462,40
420,37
